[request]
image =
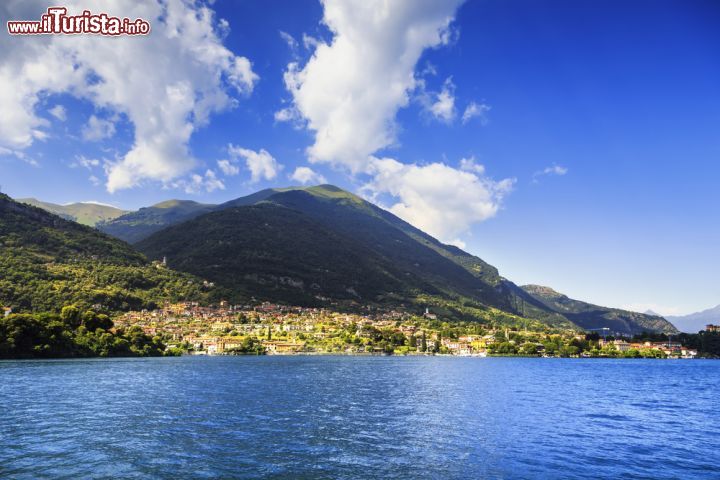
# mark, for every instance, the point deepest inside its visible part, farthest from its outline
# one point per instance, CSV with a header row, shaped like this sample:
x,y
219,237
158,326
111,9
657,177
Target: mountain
x,y
695,322
310,245
47,262
300,244
589,316
86,213
134,226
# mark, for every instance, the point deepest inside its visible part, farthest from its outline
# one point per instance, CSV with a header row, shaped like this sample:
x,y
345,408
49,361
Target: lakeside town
x,y
189,328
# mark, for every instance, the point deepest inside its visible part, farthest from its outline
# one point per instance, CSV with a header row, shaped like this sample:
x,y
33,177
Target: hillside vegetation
x,y
135,226
47,262
589,316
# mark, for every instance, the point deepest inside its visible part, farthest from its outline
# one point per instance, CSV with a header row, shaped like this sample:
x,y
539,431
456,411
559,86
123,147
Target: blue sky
x,y
586,160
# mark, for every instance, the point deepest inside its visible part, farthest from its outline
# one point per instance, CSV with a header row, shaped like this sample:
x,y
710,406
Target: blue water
x,y
359,417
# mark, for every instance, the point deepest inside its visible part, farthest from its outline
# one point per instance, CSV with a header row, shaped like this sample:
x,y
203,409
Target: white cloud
x,y
58,111
97,129
350,91
200,183
289,40
20,155
261,164
94,180
471,165
436,198
443,108
305,175
290,114
551,170
351,88
228,167
167,84
85,162
478,110
103,204
310,42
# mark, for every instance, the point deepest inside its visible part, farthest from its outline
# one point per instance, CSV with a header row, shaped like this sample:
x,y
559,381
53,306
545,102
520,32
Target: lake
x,y
359,417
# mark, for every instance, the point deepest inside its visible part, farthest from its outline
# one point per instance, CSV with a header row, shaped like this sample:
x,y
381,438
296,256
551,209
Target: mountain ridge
x,y
85,213
594,317
694,322
293,244
47,262
427,271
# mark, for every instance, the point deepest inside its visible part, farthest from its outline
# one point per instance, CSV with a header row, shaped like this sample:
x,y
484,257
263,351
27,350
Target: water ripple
x,y
359,417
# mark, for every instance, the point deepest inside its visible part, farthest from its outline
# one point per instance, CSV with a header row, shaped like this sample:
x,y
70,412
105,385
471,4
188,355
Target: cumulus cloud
x,y
473,110
261,164
305,175
97,129
290,114
352,87
85,162
443,106
20,155
200,183
289,40
551,170
349,93
58,111
228,167
438,199
167,84
470,165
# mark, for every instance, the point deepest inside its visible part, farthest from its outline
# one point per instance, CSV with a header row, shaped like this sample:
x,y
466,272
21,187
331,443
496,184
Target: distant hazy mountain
x,y
695,322
591,316
134,226
86,213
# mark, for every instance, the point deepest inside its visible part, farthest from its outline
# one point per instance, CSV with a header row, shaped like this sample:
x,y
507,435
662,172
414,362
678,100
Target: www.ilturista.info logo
x,y
57,21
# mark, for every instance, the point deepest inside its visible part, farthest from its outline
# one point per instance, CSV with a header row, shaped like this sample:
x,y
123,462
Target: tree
x,y
423,343
70,314
92,321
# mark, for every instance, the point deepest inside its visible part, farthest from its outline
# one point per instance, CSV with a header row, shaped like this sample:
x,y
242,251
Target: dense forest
x,y
72,333
47,262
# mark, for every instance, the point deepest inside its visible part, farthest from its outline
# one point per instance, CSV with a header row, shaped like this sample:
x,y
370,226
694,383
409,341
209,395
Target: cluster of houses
x,y
670,349
283,329
280,329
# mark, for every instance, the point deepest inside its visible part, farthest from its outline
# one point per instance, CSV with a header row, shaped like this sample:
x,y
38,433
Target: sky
x,y
570,144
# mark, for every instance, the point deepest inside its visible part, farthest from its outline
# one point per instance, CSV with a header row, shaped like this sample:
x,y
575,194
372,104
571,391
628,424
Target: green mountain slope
x,y
301,245
86,213
134,226
273,253
307,245
47,262
591,316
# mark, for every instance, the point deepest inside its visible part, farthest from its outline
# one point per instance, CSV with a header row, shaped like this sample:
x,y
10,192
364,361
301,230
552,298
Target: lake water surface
x,y
359,417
